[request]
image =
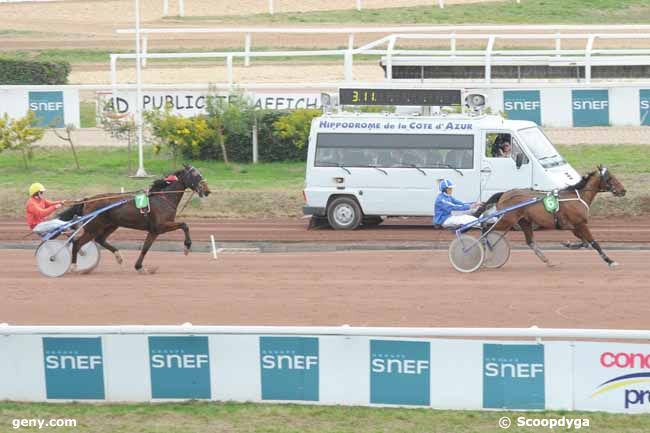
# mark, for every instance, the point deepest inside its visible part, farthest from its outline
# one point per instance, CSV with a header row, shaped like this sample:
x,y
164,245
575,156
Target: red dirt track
x,y
387,288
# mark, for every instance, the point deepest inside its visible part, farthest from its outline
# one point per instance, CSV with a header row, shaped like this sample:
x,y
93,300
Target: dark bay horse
x,y
164,198
573,213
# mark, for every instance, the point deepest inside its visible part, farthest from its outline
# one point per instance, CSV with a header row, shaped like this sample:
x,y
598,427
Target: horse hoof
x,y
147,271
73,269
186,251
613,265
118,257
550,265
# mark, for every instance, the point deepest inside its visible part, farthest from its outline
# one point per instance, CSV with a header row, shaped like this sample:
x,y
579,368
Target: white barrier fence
x,y
417,367
589,56
547,104
553,105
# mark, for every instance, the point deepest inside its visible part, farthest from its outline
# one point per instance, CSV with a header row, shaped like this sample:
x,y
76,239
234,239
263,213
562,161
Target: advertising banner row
x,y
578,108
445,374
552,107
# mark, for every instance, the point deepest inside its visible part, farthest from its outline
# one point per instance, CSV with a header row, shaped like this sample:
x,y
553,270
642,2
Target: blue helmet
x,y
446,183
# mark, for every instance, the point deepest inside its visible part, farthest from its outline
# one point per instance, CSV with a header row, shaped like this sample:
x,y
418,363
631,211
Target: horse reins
x,y
120,195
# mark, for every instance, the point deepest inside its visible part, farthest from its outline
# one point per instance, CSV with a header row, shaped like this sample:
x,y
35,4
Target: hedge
x,y
33,72
240,149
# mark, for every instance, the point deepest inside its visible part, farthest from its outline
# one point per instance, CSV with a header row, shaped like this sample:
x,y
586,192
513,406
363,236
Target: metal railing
x,y
533,332
558,56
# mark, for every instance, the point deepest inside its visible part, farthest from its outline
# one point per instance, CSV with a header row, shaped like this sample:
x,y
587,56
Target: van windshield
x,y
541,147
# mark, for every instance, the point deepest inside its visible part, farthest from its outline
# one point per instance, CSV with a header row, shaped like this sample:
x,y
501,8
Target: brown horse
x,y
573,213
164,197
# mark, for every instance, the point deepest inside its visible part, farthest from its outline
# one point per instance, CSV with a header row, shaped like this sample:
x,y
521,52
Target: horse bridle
x,y
604,174
193,184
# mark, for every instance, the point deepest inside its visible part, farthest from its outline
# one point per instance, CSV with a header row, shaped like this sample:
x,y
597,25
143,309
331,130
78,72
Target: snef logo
x,y
48,108
631,384
644,102
400,372
523,105
180,367
513,376
590,107
74,368
290,368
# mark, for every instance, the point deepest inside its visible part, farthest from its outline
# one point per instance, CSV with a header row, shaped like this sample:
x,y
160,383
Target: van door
x,y
499,171
426,159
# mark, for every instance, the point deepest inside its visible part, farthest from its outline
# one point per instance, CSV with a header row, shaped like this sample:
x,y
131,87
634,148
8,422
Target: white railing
x,y
586,57
533,332
558,56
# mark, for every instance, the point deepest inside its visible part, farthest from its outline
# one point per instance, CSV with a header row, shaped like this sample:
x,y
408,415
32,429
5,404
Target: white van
x,y
361,167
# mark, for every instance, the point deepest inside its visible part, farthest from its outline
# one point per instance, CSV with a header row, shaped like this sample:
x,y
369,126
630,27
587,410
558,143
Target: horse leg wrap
x,y
538,252
611,263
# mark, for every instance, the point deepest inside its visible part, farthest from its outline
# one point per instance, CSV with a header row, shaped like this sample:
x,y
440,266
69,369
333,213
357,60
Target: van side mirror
x,y
519,160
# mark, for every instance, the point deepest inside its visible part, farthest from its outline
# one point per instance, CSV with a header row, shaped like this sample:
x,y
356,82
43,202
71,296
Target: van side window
x,y
498,145
395,150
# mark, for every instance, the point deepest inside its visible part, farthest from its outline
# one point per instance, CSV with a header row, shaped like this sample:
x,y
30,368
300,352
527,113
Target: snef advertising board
x,y
590,107
513,376
400,372
179,367
74,368
523,105
289,368
612,377
644,106
48,108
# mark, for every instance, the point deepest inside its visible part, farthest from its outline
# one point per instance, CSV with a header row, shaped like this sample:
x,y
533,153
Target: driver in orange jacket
x,y
38,208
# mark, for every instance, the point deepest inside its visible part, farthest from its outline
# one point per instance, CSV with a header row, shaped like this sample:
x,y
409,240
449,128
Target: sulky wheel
x,y
53,258
497,250
87,257
466,253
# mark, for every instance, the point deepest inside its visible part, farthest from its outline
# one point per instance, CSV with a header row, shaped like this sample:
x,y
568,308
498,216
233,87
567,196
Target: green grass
x,y
248,190
624,159
497,12
85,56
87,113
202,417
268,189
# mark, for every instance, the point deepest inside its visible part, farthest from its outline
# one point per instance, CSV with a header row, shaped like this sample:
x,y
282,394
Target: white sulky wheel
x,y
87,257
497,250
466,253
53,258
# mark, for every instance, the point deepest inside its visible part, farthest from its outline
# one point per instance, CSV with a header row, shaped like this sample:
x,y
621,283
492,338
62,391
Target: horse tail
x,y
492,200
70,212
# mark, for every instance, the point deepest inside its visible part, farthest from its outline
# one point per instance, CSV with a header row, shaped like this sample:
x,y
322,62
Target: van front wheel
x,y
344,214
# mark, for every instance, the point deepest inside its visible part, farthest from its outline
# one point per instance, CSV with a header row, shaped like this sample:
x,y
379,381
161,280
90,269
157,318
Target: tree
x,y
4,132
21,134
120,127
180,135
68,137
295,126
231,115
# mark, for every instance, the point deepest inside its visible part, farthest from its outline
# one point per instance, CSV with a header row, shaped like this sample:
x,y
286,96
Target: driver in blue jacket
x,y
446,204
